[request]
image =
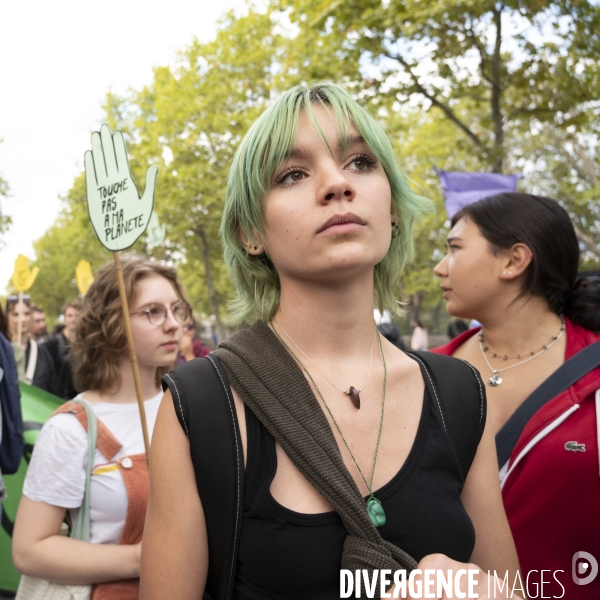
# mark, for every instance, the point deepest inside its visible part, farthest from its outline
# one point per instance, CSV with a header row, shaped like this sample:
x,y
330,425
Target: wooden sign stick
x,y
20,317
134,364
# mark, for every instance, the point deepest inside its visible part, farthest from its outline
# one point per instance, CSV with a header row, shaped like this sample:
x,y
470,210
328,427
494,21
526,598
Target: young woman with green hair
x,y
348,461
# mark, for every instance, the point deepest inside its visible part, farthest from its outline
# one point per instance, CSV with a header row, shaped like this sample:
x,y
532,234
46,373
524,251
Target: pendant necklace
x,y
351,391
374,507
495,380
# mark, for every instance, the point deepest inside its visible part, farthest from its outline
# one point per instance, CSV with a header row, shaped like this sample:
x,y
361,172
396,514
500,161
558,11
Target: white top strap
x,y
33,355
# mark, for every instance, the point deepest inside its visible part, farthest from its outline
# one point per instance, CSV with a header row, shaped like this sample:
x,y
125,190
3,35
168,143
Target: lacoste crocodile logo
x,y
575,447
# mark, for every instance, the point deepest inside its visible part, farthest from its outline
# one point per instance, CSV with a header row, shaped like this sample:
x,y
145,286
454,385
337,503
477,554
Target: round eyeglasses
x,y
157,313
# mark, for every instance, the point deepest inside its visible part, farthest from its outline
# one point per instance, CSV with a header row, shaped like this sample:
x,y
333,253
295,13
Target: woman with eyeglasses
x,y
55,480
35,363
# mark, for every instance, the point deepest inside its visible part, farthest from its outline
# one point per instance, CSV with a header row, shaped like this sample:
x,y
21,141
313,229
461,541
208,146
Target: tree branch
x,y
482,54
582,167
522,110
587,241
434,100
586,162
497,118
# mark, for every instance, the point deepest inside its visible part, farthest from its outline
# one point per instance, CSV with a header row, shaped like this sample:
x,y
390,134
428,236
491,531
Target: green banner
x,y
37,405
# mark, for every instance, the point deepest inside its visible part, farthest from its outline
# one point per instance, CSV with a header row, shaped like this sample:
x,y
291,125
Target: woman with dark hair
x,y
34,361
317,227
512,263
56,477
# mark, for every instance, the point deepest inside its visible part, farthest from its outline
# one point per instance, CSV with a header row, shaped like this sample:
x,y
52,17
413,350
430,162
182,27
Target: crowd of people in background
x,y
45,359
34,362
102,370
59,346
50,361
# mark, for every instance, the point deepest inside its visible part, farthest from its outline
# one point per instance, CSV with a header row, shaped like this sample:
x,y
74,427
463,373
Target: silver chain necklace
x,y
494,380
373,505
351,391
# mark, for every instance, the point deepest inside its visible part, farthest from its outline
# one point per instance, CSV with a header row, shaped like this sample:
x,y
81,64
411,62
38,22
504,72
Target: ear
x,y
252,246
516,260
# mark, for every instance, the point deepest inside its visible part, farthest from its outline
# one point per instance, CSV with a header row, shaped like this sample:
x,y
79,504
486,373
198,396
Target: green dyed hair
x,y
261,152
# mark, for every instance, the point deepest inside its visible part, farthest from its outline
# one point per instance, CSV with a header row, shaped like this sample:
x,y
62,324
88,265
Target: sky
x,y
57,61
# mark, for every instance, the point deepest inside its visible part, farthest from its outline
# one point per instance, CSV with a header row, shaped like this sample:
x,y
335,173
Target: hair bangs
x,y
265,147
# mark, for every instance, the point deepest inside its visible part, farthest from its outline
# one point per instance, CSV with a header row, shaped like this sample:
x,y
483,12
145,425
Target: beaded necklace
x,y
495,380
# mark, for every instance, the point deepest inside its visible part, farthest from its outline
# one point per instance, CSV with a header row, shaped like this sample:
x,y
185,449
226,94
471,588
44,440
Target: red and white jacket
x,y
551,483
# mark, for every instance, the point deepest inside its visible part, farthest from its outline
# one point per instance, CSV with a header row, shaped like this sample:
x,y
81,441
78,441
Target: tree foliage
x,y
511,62
464,85
69,240
563,164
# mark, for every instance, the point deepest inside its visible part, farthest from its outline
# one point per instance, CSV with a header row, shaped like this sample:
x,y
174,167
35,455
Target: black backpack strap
x,y
7,524
458,396
563,378
206,411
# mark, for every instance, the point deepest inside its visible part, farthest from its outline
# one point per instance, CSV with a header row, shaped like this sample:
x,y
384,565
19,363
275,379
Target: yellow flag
x,y
23,277
84,277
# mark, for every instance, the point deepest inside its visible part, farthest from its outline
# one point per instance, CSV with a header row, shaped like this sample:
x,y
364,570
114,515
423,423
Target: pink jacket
x,y
550,486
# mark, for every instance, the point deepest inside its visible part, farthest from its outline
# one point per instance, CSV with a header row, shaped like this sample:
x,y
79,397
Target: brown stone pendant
x,y
354,396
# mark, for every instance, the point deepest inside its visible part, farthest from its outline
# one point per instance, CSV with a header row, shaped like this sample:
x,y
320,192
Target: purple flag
x,y
461,189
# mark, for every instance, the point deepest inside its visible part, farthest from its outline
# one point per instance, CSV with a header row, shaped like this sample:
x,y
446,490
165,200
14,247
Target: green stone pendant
x,y
376,512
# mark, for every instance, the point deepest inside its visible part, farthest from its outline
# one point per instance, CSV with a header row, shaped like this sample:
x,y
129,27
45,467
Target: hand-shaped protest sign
x,y
23,277
118,215
156,231
83,276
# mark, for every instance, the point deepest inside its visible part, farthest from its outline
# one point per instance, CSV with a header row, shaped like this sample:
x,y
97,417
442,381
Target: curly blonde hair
x,y
100,338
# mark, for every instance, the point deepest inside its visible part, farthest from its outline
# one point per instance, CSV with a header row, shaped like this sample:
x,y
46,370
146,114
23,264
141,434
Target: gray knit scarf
x,y
270,382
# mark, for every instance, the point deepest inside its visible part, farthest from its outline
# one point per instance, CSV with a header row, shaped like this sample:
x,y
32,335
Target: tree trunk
x,y
212,294
415,306
497,118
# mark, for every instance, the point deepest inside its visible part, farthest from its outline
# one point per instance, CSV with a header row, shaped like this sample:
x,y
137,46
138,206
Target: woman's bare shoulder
x,y
403,371
175,546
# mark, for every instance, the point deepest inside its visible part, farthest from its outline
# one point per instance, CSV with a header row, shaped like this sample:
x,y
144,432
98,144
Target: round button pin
x,y
127,463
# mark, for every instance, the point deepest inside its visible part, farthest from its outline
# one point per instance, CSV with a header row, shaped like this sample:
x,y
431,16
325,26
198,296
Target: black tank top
x,y
286,555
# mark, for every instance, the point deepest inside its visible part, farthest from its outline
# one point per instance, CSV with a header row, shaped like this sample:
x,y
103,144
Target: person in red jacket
x,y
511,264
